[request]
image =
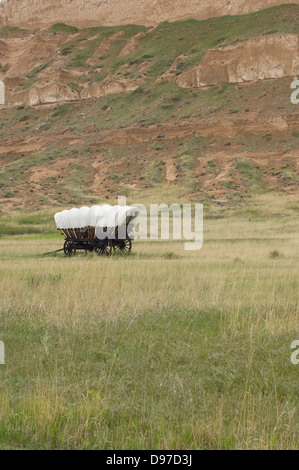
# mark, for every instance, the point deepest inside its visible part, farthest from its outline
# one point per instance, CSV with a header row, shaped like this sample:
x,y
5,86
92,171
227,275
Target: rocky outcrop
x,y
36,13
55,87
110,87
52,88
262,58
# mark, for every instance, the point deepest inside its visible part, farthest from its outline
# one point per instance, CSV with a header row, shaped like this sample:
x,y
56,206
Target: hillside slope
x,y
98,112
86,13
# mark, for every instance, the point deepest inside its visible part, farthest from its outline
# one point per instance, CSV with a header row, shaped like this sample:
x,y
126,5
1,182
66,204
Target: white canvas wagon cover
x,y
96,216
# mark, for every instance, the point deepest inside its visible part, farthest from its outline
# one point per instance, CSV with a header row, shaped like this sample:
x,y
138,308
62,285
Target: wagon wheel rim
x,y
102,250
123,245
69,249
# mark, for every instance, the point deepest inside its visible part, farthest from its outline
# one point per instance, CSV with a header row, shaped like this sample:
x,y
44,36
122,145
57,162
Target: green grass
x,y
39,69
63,28
27,223
122,386
13,32
63,110
77,58
251,173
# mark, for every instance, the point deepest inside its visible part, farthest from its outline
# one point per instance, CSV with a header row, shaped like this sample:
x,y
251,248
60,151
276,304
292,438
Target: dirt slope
x,y
34,68
93,113
33,13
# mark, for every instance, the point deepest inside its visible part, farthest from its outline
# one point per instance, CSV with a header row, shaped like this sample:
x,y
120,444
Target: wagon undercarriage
x,y
100,247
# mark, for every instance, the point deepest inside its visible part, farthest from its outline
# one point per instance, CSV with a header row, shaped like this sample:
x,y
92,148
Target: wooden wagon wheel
x,y
103,249
69,248
123,245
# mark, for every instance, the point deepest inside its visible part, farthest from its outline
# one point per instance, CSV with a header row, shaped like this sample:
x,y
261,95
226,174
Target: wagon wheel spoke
x,y
127,245
69,248
102,249
123,245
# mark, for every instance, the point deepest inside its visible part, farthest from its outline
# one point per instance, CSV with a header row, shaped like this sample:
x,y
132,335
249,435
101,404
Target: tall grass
x,y
149,350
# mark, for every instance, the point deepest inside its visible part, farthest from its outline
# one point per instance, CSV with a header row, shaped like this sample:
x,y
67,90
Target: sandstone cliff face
x,y
110,87
262,58
51,89
35,13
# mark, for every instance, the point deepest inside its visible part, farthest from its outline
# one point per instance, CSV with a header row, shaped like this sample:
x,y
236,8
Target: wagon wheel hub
x,y
69,248
103,249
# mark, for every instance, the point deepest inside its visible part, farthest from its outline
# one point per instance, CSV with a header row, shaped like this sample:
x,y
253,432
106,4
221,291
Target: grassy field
x,y
158,349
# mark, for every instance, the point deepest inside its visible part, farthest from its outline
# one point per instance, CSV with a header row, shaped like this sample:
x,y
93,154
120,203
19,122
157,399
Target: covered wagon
x,y
99,228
